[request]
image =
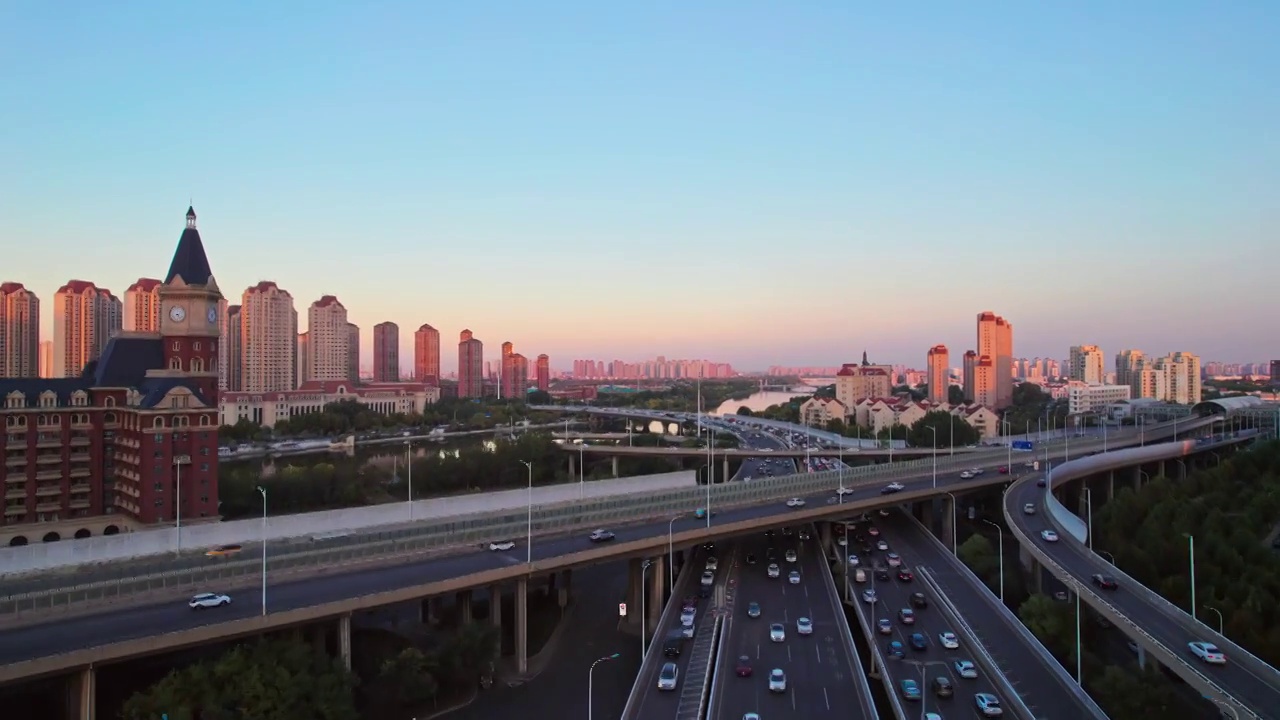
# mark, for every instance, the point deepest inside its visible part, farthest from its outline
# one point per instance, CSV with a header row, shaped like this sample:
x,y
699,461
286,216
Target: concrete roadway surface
x,y
590,632
58,635
935,661
1041,684
655,704
820,672
1249,681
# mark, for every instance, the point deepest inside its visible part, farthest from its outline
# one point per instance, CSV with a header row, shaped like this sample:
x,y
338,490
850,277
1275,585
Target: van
x,y
860,575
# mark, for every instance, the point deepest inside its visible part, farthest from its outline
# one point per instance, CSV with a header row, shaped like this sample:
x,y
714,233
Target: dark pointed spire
x,y
189,260
864,359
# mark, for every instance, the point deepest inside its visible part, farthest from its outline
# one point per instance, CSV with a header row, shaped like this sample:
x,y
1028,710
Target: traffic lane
x,y
737,696
56,636
1041,686
936,660
1238,679
590,632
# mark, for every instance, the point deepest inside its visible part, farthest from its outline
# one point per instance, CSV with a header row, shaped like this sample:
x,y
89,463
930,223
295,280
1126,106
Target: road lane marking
x,y
826,699
757,651
793,699
818,651
788,653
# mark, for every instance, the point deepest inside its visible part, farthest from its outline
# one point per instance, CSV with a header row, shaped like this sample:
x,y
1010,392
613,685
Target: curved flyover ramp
x,y
1246,685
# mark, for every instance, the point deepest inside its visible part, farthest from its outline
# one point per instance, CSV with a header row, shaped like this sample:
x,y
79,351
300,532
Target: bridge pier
x,y
495,607
635,586
615,466
573,469
948,522
924,513
824,537
463,603
657,592
522,626
724,477
565,584
344,640
82,693
429,611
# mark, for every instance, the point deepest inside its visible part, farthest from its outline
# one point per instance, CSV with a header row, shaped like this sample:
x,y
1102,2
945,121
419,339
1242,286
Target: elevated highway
x,y
1246,685
646,527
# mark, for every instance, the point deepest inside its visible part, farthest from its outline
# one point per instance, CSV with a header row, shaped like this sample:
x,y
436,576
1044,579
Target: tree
x,y
744,411
411,676
955,395
1051,621
978,553
538,397
950,431
265,680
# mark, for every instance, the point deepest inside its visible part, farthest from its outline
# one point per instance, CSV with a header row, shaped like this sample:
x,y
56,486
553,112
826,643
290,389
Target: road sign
x,y
622,609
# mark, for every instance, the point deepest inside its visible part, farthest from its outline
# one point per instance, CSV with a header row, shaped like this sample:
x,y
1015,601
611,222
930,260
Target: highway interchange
x,y
1251,682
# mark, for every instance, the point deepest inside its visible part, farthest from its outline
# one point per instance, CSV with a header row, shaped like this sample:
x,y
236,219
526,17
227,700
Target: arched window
x,y
109,401
204,420
197,365
175,364
159,422
109,417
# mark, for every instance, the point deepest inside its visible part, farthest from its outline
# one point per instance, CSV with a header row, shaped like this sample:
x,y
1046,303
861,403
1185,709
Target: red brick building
x,y
131,442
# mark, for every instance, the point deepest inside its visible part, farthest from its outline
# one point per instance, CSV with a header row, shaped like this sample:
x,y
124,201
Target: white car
x,y
966,669
687,616
794,577
774,570
854,561
988,705
949,640
1207,652
791,556
1048,536
893,487
966,475
777,680
844,491
842,541
751,716
893,559
208,600
503,546
804,626
777,633
668,676
712,564
869,596
795,502
882,546
1029,509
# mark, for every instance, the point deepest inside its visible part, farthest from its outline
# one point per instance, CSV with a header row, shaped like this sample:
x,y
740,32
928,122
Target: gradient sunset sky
x,y
753,182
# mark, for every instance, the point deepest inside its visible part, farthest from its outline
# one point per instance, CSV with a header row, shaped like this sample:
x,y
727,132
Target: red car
x,y
743,668
904,575
1004,469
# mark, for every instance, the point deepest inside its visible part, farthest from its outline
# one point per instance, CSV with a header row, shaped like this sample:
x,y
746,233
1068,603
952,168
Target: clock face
x,y
213,315
177,313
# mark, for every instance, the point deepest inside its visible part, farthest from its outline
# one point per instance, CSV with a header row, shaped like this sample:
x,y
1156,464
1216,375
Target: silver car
x,y
668,676
777,633
208,600
777,680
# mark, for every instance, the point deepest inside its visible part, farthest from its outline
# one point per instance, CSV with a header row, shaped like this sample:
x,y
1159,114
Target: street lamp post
x,y
1008,446
671,554
1079,654
1109,556
934,430
1000,549
644,634
955,548
408,462
529,535
591,678
951,439
264,548
1191,556
1219,613
1088,508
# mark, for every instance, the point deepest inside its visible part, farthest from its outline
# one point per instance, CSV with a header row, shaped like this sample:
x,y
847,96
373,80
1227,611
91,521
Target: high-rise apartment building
x,y
1275,371
353,352
470,365
513,373
855,383
269,339
386,352
233,345
543,372
302,358
224,352
46,358
993,376
85,317
939,373
1174,378
1128,366
329,340
1088,364
970,375
426,355
19,332
142,306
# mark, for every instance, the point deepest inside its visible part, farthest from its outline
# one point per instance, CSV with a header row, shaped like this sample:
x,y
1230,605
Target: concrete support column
x,y
495,606
824,537
463,602
82,695
1111,485
948,522
924,511
573,466
565,581
615,466
522,625
724,477
635,586
551,583
657,585
344,640
1137,478
1162,470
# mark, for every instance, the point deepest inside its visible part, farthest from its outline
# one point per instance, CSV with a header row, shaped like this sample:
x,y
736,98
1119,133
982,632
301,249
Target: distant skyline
x,y
741,182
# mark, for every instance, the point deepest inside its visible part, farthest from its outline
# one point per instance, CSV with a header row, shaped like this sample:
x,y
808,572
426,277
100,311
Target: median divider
x,y
877,656
858,671
971,639
710,679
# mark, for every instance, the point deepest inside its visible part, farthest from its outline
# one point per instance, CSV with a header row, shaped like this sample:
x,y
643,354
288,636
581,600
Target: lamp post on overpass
x,y
591,679
671,554
1000,549
264,548
1191,557
955,547
1109,556
644,635
529,539
934,430
1219,613
408,463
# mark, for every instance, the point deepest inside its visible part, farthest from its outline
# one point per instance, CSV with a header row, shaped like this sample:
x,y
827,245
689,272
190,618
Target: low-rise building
x,y
818,411
268,408
1086,398
877,414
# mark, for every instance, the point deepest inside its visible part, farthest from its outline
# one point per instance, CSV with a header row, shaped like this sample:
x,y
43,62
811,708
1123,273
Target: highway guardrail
x,y
846,633
666,621
877,654
706,706
980,651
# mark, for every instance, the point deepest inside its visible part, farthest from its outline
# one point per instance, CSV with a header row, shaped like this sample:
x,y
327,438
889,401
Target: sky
x,y
749,182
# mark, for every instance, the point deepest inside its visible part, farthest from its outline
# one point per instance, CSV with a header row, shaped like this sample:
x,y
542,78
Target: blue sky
x,y
754,182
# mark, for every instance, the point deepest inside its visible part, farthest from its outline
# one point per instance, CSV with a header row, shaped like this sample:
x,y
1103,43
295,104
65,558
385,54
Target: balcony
x,y
80,472
48,490
49,475
125,488
12,460
11,444
49,459
81,487
79,441
82,425
48,443
48,507
15,510
80,503
15,494
15,478
80,457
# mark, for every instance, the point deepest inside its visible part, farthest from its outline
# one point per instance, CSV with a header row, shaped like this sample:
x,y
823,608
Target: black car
x,y
942,687
882,574
919,601
674,644
751,559
1106,582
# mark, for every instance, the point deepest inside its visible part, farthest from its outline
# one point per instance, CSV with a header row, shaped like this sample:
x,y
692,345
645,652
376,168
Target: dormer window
x,y
175,364
15,400
48,400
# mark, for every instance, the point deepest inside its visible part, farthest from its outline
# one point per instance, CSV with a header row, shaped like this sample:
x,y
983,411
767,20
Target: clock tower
x,y
189,314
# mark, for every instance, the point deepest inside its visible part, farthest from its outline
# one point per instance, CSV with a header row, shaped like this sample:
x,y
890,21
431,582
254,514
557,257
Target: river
x,y
388,456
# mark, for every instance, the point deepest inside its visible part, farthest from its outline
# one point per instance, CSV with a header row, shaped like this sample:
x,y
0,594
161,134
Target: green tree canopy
x,y
955,395
266,680
950,431
980,555
744,411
